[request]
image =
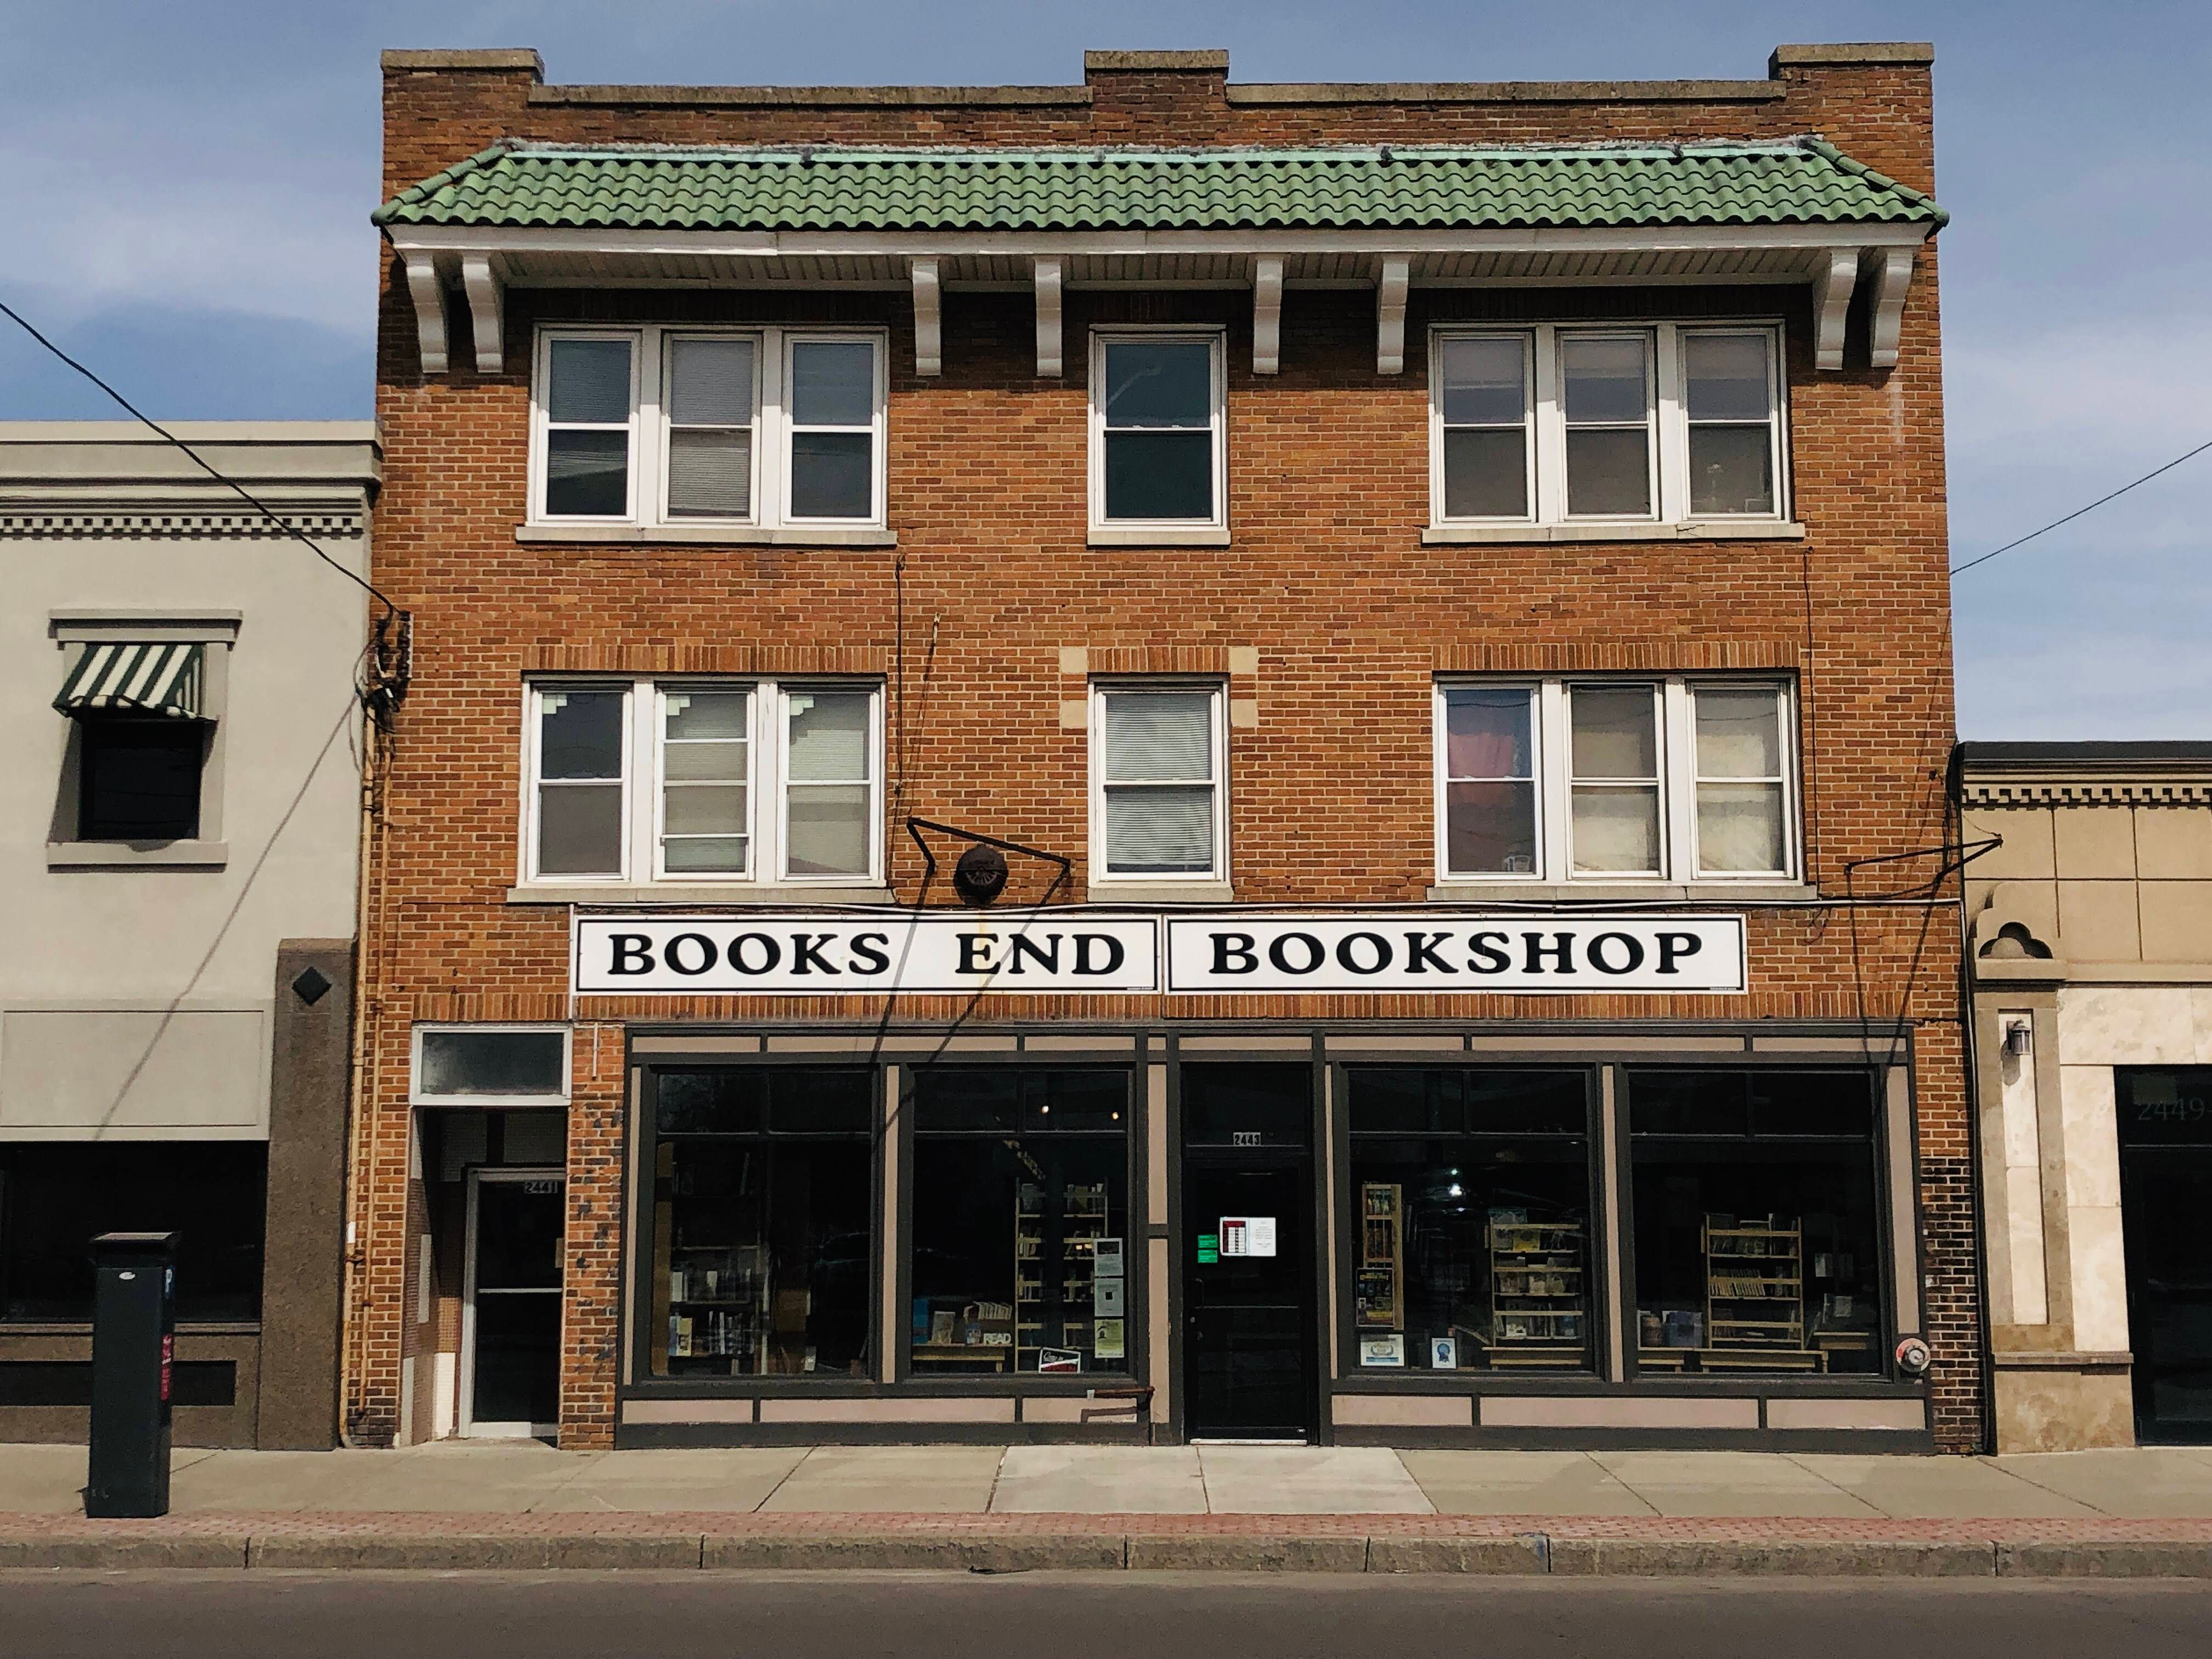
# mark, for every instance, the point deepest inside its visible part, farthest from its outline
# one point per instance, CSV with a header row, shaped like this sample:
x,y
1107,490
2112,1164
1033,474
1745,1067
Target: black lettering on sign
x,y
976,953
1025,949
1232,954
703,949
1421,953
1561,950
868,957
771,953
1483,955
807,956
1106,942
1632,950
1347,959
632,954
1674,946
1278,953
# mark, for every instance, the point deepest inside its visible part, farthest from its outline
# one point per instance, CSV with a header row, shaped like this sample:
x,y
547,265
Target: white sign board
x,y
1413,951
841,955
1248,1235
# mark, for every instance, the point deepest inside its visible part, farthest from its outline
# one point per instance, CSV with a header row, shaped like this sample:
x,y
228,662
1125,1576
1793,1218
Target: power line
x,y
245,494
2078,511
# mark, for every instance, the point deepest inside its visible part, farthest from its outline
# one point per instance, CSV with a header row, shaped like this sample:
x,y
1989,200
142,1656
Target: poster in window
x,y
1060,1359
1107,1258
1248,1235
1108,1295
1106,1339
1382,1350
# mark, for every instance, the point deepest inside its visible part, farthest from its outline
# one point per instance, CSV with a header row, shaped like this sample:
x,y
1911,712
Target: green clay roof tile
x,y
531,186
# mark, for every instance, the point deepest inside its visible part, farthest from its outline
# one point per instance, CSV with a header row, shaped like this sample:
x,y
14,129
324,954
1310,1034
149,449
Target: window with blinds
x,y
1158,805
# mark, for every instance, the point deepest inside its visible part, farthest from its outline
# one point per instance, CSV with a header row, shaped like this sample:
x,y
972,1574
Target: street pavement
x,y
1076,1616
490,1478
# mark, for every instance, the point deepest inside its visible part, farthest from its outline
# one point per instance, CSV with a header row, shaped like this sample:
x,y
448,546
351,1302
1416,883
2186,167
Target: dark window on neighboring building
x,y
1471,1207
139,779
1754,1207
57,1196
764,1221
1020,1221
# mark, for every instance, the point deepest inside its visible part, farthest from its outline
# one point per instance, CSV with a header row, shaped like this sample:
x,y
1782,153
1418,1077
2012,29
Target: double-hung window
x,y
1566,779
767,429
704,781
1158,796
1157,457
1553,425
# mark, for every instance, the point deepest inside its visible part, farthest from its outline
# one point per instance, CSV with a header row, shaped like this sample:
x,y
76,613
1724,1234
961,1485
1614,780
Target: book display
x,y
1379,1287
1537,1314
1753,1317
1067,1310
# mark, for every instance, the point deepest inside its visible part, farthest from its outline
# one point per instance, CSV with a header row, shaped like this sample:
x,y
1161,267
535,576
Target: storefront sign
x,y
1013,951
1409,950
1248,1235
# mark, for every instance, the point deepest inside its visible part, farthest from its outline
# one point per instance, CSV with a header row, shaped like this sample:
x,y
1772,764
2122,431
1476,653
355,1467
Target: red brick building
x,y
1165,759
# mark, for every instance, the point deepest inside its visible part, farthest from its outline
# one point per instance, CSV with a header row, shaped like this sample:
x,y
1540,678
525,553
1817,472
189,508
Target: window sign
x,y
1248,1235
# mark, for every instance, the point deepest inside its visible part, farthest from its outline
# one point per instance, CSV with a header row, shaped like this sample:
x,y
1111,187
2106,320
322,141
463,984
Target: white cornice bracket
x,y
1893,275
1834,279
483,291
1390,317
430,310
1049,273
1266,316
928,322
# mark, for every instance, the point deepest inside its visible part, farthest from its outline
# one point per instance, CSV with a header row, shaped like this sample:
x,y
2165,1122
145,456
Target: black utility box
x,y
134,1348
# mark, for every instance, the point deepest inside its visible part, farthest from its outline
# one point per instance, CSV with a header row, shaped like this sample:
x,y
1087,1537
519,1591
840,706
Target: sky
x,y
185,194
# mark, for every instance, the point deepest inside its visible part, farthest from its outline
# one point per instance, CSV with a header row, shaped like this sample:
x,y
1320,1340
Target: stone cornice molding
x,y
2170,791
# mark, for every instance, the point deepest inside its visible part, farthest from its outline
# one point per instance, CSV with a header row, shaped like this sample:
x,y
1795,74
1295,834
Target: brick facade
x,y
1328,580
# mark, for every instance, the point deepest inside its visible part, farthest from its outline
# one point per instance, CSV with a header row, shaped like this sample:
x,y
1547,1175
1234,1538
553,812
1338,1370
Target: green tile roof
x,y
521,185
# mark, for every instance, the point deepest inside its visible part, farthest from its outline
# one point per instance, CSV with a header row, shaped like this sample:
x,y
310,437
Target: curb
x,y
1525,1554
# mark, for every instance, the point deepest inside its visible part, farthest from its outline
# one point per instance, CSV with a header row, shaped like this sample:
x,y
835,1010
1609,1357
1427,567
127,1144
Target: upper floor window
x,y
141,767
1678,780
1549,424
1157,432
657,426
705,780
1158,796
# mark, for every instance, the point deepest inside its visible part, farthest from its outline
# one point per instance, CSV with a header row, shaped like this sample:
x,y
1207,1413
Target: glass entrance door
x,y
2165,1120
511,1318
1249,1347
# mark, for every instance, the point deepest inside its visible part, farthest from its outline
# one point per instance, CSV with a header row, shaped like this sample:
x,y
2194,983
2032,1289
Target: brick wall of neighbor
x,y
1351,616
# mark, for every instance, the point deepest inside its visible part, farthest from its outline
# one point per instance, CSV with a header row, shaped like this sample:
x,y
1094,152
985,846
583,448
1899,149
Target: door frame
x,y
1304,1177
465,1424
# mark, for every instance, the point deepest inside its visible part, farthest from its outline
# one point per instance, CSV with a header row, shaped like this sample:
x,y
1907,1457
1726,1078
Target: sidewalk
x,y
1346,1508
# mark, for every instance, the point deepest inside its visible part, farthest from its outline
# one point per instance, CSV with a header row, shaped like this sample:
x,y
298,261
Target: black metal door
x,y
2163,1193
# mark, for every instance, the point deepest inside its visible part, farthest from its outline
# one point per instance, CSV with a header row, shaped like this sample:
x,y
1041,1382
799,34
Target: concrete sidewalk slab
x,y
1309,1481
876,1480
1932,1489
1520,1483
1099,1480
39,1480
732,1479
499,1478
1720,1484
2143,1483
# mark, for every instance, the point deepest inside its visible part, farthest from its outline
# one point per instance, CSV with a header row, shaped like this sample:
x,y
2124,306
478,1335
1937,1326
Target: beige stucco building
x,y
2090,951
178,843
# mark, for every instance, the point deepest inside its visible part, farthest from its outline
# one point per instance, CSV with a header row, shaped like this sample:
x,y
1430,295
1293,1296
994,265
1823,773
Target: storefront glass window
x,y
1757,1246
762,1222
1020,1222
57,1197
1470,1219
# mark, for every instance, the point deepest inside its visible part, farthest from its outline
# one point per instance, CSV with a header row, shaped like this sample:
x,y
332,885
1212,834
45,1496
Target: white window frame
x,y
1526,340
1678,782
1216,342
418,1097
1217,709
1442,779
1670,424
767,776
651,354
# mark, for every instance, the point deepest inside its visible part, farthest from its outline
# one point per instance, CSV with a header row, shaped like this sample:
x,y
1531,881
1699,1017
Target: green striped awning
x,y
137,678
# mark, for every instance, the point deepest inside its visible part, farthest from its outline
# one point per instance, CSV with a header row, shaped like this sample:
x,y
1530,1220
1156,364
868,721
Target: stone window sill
x,y
1654,892
1160,536
740,535
668,894
125,855
1706,530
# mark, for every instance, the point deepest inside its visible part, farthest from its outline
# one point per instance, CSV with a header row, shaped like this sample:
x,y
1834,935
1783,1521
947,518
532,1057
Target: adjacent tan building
x,y
2089,941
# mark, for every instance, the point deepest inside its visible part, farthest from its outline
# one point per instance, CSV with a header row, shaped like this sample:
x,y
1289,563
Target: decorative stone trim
x,y
2142,792
175,526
